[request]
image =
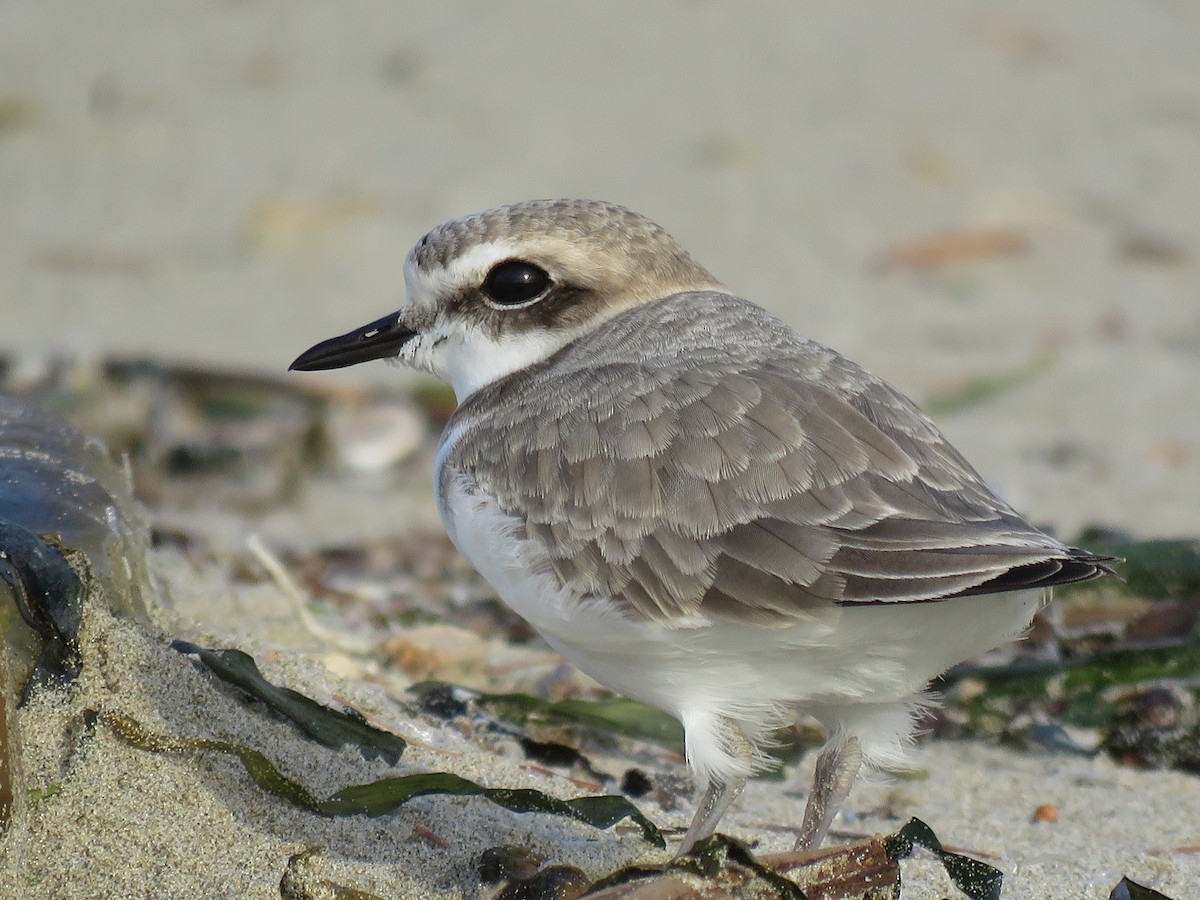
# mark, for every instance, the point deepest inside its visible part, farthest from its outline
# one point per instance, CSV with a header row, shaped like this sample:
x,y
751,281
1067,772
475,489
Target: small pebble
x,y
1046,813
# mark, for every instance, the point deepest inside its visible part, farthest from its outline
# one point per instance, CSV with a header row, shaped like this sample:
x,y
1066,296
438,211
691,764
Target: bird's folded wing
x,y
756,482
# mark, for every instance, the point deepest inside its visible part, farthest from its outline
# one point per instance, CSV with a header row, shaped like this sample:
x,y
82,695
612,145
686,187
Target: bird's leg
x,y
837,767
717,797
718,794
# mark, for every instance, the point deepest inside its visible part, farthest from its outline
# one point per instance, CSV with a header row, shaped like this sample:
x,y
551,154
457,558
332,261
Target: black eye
x,y
514,283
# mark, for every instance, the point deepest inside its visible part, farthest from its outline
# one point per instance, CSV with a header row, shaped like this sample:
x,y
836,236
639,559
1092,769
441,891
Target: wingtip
x,y
1101,564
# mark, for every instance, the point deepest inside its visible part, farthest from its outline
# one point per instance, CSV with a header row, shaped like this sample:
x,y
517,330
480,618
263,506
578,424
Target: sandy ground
x,y
228,182
119,821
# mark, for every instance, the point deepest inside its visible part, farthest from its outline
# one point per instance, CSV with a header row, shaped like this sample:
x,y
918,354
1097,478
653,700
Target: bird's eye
x,y
515,283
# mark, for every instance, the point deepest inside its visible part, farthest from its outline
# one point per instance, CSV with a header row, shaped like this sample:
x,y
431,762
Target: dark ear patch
x,y
564,306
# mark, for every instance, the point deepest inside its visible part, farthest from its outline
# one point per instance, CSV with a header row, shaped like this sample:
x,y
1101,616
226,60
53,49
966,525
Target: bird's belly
x,y
840,656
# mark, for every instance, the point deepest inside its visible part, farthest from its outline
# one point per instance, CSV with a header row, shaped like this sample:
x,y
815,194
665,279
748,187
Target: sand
x,y
126,822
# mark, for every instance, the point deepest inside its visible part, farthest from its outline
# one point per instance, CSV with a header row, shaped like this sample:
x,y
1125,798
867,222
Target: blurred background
x,y
994,208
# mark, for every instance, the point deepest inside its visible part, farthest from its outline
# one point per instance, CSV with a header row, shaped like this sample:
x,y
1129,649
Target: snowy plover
x,y
696,505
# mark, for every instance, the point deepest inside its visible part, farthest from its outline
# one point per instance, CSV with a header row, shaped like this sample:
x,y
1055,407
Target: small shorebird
x,y
696,505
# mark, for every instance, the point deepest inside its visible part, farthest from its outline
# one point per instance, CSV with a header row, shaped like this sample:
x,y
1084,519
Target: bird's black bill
x,y
381,338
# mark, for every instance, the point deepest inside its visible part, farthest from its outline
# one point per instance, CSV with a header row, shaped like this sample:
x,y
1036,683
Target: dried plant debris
x,y
578,719
958,246
722,867
326,726
988,386
191,435
613,716
415,579
1131,890
1092,693
717,868
557,735
859,870
508,862
1151,249
204,436
1159,728
1122,662
552,883
302,880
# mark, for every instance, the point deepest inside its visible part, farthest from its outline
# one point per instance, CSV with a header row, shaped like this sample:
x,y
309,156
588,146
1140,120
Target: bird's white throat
x,y
468,358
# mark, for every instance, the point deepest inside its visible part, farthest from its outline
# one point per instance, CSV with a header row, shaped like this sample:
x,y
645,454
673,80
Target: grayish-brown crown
x,y
611,236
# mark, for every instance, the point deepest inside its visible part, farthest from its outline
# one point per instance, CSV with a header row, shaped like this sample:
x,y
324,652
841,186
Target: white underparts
x,y
860,670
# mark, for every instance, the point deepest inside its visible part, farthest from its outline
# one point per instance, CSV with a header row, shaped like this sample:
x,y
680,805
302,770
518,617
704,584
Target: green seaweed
x,y
326,726
49,595
976,879
384,796
37,795
1079,689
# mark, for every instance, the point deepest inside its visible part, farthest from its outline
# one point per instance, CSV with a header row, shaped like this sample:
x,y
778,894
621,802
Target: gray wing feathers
x,y
721,465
